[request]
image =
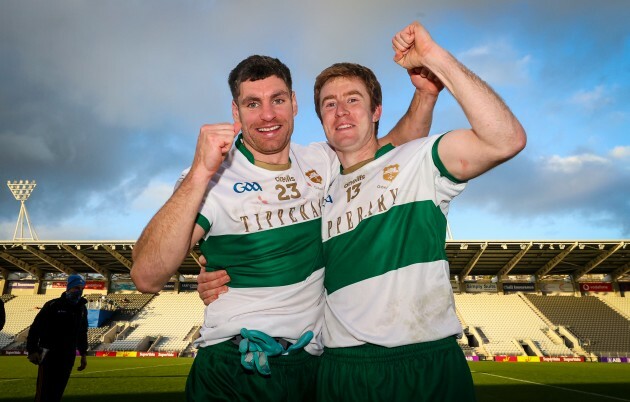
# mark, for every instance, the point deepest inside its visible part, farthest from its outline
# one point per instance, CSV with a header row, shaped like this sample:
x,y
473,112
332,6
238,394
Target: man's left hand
x,y
425,81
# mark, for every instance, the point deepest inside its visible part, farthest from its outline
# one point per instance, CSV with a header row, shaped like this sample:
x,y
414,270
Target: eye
x,y
278,101
329,104
251,105
353,100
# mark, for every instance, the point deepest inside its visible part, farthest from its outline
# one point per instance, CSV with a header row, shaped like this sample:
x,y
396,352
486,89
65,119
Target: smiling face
x,y
348,117
266,109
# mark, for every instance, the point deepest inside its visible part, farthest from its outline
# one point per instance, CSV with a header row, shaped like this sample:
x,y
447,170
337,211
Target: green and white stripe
x,y
387,276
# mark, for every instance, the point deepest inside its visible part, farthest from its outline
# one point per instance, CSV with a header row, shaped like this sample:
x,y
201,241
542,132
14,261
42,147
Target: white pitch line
x,y
552,386
128,368
100,371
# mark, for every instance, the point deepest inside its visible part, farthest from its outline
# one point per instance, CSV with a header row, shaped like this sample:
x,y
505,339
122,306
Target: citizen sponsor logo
x,y
243,187
285,179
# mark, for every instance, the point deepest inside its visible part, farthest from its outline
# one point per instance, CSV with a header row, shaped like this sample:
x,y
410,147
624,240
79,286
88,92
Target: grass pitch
x,y
163,379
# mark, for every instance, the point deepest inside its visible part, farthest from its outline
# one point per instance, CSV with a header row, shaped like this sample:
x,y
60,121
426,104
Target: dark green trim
x,y
240,145
406,234
379,152
438,162
383,150
276,257
203,222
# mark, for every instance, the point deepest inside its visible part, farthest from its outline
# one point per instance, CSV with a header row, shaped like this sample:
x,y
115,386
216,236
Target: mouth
x,y
268,130
344,126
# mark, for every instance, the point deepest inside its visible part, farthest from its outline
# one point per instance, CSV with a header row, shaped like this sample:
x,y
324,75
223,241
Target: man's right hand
x,y
213,144
35,358
211,284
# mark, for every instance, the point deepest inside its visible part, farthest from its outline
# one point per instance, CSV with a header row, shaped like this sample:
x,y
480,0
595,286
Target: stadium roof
x,y
467,258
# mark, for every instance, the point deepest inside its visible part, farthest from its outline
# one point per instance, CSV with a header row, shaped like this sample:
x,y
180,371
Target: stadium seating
x,y
166,321
505,324
508,322
601,329
128,305
619,304
20,313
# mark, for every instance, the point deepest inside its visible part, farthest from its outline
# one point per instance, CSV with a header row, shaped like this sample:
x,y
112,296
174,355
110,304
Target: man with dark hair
x,y
58,331
390,321
255,209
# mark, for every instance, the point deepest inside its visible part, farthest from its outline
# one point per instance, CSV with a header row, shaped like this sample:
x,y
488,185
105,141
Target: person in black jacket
x,y
59,329
2,315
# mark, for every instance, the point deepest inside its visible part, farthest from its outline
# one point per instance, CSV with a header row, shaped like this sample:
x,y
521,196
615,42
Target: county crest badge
x,y
314,176
390,172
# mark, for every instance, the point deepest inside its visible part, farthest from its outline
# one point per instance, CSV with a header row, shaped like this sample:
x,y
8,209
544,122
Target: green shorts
x,y
429,371
217,375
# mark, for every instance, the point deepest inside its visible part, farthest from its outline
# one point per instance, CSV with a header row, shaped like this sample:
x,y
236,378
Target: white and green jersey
x,y
384,229
264,227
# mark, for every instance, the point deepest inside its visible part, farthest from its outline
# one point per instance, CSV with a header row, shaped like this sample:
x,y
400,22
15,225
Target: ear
x,y
377,113
235,115
294,103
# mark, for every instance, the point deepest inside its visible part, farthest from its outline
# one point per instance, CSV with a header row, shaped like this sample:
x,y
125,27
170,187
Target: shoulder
x,y
316,154
52,303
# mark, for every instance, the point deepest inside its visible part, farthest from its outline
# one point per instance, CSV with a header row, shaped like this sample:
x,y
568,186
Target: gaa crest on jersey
x,y
390,172
314,176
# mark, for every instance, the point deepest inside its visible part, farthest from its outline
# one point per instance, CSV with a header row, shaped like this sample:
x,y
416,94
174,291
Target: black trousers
x,y
53,374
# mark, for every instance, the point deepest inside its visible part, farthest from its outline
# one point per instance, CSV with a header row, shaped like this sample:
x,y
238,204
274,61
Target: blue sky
x,y
101,102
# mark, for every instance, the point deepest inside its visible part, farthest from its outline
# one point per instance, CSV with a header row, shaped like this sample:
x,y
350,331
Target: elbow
x,y
520,140
515,144
142,281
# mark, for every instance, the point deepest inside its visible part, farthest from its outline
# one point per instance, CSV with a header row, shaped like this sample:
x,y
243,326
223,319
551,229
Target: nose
x,y
341,110
267,112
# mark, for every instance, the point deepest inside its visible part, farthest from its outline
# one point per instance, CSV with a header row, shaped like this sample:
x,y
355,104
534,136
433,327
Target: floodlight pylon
x,y
21,190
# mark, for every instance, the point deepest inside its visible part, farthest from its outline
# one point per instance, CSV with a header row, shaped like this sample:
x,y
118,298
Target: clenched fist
x,y
412,45
213,144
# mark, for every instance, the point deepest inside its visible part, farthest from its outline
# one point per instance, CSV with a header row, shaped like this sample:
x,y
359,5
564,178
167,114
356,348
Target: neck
x,y
278,158
351,158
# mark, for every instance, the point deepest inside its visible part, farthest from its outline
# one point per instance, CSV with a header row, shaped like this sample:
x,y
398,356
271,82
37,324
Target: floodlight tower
x,y
21,191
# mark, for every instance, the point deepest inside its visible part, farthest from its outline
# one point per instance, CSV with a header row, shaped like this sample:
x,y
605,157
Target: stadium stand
x,y
21,311
127,305
509,324
6,298
601,329
95,336
619,304
164,324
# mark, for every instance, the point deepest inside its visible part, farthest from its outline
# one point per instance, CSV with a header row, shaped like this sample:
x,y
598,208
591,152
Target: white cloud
x,y
592,100
620,152
587,185
498,63
573,164
152,197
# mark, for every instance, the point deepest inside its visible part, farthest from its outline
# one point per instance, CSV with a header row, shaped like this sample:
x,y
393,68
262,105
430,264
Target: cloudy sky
x,y
101,102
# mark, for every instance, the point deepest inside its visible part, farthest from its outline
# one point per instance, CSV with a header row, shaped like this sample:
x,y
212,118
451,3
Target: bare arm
x,y
172,232
416,122
496,135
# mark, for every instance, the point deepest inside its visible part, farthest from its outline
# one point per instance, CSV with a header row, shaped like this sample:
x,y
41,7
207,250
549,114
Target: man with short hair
x,y
58,331
255,209
390,321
